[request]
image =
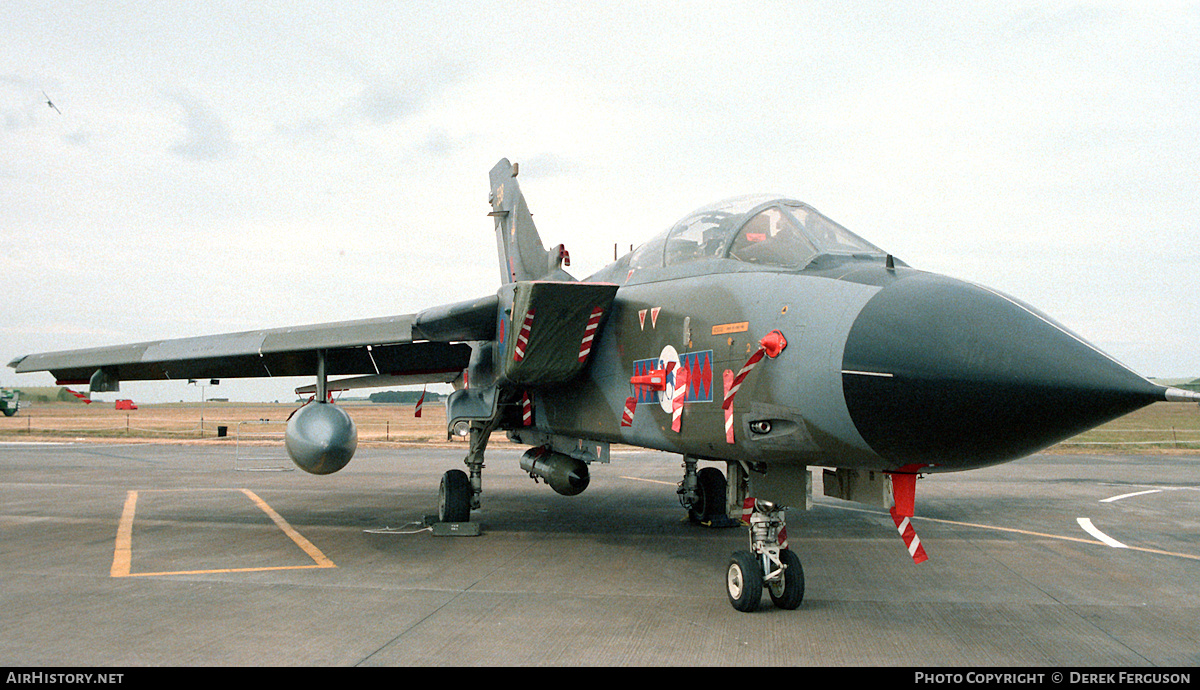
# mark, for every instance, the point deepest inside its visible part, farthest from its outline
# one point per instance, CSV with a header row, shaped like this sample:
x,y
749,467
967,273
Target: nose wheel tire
x,y
744,581
454,497
788,591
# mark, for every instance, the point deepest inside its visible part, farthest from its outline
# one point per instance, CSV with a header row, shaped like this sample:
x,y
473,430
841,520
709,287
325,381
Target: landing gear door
x,y
783,485
477,400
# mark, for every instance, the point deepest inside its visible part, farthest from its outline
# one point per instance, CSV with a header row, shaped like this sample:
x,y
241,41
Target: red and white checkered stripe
x,y
589,334
523,337
420,402
81,396
909,535
728,408
681,385
770,345
526,409
630,406
748,367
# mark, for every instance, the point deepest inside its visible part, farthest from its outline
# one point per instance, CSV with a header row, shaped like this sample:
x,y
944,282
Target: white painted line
x,y
34,444
652,481
885,520
868,373
1088,527
1135,493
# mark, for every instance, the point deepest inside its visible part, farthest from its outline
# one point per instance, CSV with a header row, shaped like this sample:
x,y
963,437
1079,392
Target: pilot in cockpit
x,y
771,237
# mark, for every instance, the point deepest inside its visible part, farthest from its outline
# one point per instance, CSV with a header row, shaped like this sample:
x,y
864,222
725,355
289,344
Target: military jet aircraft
x,y
754,333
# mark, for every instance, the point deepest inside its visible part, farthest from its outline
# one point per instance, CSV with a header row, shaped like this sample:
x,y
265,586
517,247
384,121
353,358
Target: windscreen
x,y
829,237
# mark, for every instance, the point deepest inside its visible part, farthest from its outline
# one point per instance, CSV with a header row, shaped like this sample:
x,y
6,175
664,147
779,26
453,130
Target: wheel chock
x,y
452,529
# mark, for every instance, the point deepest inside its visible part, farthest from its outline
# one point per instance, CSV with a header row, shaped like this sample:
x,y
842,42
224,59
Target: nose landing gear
x,y
767,563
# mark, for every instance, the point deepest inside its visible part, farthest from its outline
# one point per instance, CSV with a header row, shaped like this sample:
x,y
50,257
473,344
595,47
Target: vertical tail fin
x,y
522,256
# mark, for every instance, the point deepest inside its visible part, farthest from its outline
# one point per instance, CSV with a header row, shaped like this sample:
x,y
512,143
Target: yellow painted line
x,y
1160,552
123,551
312,551
994,528
227,570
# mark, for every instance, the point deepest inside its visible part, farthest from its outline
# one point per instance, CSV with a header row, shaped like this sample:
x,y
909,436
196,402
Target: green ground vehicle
x,y
8,401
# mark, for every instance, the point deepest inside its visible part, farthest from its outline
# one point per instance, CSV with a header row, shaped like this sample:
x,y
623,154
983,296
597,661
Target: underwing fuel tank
x,y
565,474
321,438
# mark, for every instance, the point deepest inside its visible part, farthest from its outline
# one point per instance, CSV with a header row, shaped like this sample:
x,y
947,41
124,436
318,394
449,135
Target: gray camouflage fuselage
x,y
885,367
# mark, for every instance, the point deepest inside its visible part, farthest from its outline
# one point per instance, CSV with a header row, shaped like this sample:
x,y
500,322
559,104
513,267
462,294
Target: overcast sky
x,y
220,167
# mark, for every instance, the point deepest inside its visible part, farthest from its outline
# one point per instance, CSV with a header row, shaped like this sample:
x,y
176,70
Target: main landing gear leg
x,y
767,563
458,493
702,494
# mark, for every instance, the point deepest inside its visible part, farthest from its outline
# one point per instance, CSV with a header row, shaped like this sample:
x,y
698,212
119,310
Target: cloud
x,y
405,98
386,100
21,100
437,143
547,165
206,137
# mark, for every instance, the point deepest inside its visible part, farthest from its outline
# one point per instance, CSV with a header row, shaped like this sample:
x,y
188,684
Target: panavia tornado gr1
x,y
755,334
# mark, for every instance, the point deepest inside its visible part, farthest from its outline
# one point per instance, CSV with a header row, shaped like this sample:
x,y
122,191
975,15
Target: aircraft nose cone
x,y
941,372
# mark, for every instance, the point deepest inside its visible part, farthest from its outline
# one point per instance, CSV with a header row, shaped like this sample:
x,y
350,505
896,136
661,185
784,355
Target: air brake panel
x,y
551,330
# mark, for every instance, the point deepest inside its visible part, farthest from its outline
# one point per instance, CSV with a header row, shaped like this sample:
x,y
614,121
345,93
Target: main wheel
x,y
710,499
744,581
10,411
788,592
454,497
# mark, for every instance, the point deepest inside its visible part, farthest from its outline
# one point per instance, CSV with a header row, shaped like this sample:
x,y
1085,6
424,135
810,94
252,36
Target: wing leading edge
x,y
425,346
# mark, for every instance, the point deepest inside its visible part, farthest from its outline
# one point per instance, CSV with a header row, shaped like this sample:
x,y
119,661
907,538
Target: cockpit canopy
x,y
759,230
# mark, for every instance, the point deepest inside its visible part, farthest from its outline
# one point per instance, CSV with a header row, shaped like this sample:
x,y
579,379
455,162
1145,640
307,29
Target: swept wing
x,y
427,346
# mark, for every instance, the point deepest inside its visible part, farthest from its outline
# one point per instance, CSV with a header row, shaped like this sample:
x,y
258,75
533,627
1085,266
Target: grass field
x,y
188,422
1159,428
1162,427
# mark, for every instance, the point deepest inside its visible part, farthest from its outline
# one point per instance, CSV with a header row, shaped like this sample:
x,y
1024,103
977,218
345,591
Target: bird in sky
x,y
51,104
